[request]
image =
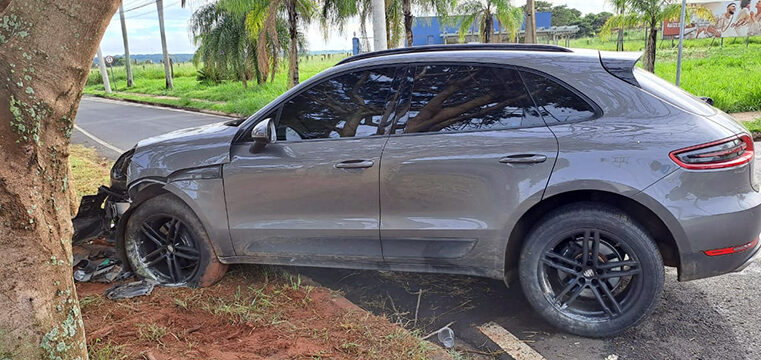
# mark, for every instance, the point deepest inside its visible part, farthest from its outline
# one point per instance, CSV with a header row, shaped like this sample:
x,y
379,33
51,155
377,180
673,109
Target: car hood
x,y
160,156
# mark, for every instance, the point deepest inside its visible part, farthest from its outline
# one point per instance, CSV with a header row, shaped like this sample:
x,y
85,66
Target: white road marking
x,y
98,140
129,103
509,343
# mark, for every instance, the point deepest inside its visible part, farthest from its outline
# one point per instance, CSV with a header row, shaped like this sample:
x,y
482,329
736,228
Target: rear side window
x,y
672,94
557,103
452,98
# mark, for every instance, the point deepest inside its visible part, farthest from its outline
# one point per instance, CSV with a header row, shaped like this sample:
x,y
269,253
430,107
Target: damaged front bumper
x,y
98,215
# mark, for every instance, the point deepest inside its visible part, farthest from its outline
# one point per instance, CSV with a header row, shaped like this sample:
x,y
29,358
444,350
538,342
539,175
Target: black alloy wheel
x,y
166,247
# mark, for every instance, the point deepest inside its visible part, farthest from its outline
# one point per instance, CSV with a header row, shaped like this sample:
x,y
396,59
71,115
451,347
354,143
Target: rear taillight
x,y
729,152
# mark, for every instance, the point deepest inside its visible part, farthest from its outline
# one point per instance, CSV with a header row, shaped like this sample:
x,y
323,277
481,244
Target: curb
x,y
186,108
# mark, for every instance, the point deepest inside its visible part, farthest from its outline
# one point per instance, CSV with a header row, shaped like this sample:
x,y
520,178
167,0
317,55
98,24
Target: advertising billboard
x,y
737,18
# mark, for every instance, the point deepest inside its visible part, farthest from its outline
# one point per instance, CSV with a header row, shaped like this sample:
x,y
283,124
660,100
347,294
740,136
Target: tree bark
x,y
167,70
652,38
46,48
407,9
488,28
293,30
620,40
127,64
530,22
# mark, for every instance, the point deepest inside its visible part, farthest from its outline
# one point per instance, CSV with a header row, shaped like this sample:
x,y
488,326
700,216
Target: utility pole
x,y
681,43
167,70
530,22
130,81
379,25
103,73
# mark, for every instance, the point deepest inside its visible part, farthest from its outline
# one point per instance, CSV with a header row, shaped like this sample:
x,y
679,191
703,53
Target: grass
x,y
88,170
228,96
753,126
105,351
731,75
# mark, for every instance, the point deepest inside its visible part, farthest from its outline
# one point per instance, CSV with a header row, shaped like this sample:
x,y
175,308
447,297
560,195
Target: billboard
x,y
737,18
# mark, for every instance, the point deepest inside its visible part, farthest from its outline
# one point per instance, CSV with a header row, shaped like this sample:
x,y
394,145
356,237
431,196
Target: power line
x,y
153,11
139,6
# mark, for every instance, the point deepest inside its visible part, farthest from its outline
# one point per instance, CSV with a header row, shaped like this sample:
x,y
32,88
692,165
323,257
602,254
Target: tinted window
x,y
556,102
353,104
674,95
448,98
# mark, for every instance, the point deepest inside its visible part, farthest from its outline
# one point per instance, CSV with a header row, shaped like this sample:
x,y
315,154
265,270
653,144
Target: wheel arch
x,y
653,224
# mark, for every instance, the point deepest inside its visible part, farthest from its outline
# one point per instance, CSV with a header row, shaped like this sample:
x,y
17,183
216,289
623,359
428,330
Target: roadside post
x,y
110,62
103,72
681,44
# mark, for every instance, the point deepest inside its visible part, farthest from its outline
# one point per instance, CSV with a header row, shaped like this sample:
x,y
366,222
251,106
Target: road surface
x,y
715,318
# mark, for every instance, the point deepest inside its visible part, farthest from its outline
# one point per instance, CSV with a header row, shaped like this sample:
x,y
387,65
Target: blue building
x,y
428,30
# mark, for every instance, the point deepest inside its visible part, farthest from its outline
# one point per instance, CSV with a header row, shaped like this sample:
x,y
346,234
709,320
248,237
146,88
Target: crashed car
x,y
569,170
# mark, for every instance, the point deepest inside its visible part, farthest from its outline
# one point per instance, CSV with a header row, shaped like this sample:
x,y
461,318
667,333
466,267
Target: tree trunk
x,y
127,64
620,40
293,31
45,51
530,22
407,9
650,48
167,70
488,28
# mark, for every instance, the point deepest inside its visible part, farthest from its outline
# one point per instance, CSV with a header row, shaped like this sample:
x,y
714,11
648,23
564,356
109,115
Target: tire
x,y
574,293
180,257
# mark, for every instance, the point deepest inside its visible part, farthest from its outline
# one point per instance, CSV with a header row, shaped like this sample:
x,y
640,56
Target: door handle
x,y
523,159
355,164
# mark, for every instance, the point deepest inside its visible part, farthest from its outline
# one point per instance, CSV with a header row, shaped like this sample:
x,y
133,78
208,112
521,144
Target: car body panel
x,y
160,156
446,199
291,199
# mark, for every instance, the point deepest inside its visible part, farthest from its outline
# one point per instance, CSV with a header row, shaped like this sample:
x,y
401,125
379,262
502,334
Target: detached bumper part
x,y
97,214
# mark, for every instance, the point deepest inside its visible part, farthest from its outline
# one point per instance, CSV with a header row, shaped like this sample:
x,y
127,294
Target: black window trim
x,y
279,106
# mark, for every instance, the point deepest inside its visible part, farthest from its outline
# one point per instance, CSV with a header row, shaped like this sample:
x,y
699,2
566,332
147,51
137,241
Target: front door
x,y
471,151
312,196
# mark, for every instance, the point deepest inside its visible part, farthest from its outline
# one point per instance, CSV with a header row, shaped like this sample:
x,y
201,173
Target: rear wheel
x,y
164,241
591,270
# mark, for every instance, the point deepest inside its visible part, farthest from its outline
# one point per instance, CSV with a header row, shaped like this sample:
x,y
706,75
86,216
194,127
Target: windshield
x,y
672,94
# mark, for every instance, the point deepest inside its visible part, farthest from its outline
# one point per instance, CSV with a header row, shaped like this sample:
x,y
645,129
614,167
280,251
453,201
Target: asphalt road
x,y
714,318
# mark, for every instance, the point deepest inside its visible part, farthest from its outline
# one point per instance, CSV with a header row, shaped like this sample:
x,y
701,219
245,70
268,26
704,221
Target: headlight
x,y
119,171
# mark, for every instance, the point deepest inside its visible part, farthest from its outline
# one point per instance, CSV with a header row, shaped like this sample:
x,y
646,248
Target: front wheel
x,y
164,241
591,270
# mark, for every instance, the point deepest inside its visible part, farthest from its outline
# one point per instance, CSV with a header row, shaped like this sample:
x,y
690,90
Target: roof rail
x,y
456,47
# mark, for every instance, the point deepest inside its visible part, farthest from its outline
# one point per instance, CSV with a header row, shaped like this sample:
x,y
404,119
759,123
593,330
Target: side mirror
x,y
264,132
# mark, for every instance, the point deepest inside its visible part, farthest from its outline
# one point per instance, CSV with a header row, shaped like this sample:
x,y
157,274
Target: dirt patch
x,y
255,312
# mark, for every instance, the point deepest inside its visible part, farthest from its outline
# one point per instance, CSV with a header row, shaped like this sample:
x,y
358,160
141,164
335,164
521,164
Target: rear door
x,y
468,155
312,197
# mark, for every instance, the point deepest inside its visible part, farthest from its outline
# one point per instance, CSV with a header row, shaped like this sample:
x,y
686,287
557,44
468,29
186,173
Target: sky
x,y
143,28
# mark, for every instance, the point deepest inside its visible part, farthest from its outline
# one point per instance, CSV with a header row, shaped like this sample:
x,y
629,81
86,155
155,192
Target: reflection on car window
x,y
447,98
556,103
349,105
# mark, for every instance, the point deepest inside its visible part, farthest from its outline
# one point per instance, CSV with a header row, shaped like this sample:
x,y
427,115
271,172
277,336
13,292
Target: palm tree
x,y
483,14
620,6
167,69
262,22
650,14
530,22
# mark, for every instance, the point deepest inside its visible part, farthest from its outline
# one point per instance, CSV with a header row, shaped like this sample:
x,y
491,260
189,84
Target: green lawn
x,y
228,96
731,75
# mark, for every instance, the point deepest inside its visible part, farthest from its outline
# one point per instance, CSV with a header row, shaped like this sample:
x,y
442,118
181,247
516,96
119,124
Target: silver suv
x,y
569,170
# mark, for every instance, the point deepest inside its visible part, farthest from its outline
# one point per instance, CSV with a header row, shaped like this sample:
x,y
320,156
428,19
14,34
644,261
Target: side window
x,y
448,98
350,105
557,103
